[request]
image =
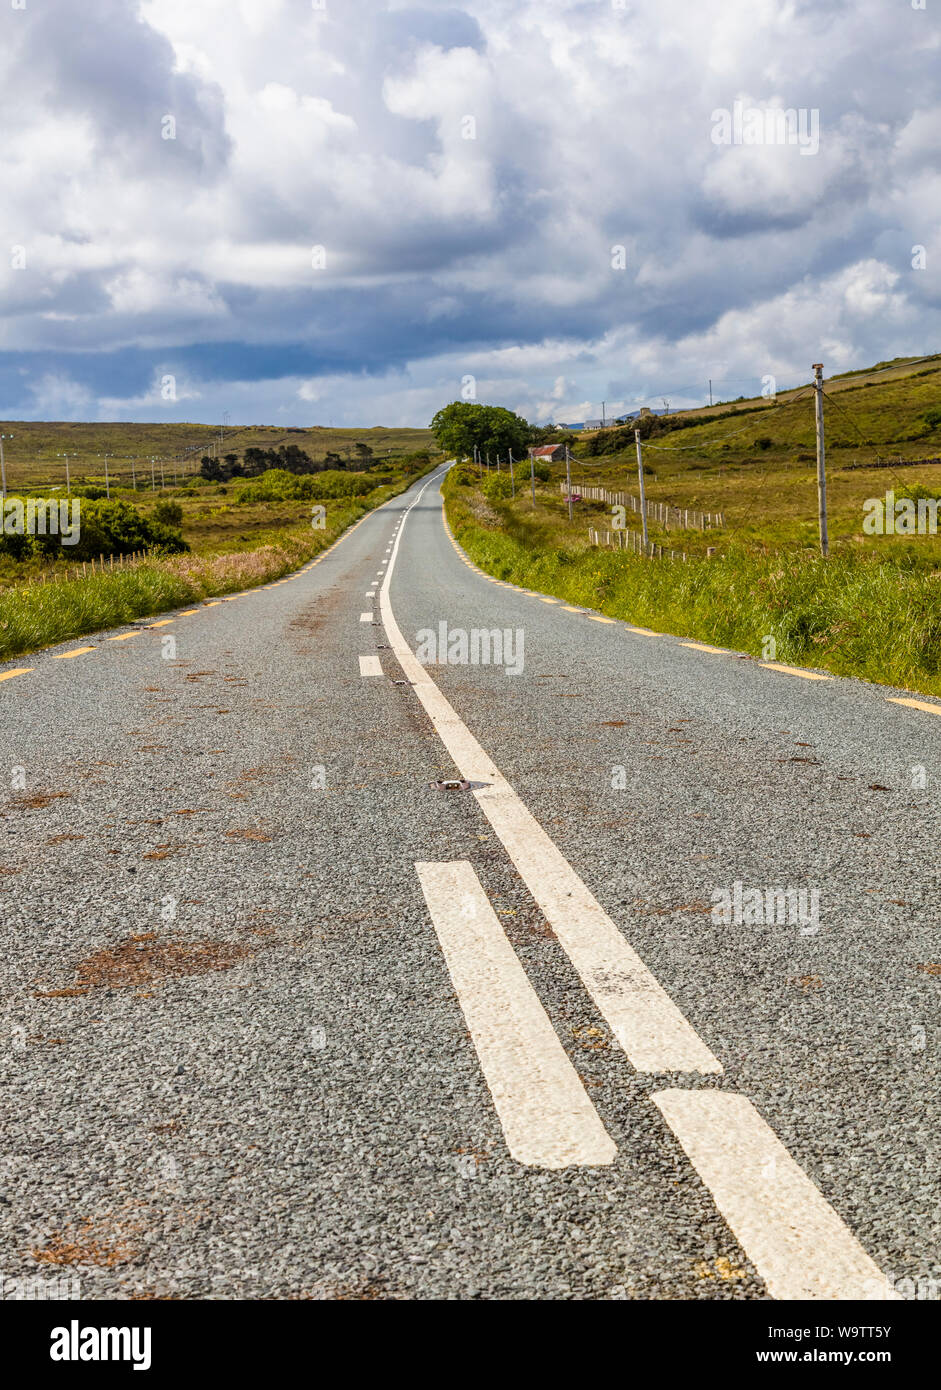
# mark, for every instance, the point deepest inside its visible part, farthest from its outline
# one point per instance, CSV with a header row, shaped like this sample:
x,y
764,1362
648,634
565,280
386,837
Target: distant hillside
x,y
755,460
33,454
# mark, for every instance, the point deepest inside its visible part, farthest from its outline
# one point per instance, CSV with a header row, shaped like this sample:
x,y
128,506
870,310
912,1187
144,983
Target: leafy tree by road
x,y
494,430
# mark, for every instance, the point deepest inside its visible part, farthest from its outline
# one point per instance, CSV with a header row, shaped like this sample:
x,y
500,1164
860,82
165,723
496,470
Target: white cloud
x,y
468,170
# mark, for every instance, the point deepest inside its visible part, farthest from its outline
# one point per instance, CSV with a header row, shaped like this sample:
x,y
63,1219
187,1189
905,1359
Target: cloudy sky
x,y
352,211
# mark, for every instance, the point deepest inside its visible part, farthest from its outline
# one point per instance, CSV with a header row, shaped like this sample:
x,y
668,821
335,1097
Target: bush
x,y
278,485
167,513
542,471
105,528
496,487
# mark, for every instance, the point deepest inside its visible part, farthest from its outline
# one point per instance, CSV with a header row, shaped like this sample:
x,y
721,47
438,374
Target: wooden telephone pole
x,y
821,462
643,495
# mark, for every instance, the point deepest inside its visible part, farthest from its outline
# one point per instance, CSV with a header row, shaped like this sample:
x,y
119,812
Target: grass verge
x,y
854,615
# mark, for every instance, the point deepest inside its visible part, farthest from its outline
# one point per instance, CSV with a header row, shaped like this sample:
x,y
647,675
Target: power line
x,y
746,429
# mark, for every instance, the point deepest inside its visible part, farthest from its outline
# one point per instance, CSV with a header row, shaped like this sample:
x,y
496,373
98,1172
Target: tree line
x,y
289,457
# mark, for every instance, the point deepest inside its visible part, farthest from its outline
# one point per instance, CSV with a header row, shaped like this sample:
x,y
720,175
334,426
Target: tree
x,y
494,430
363,454
210,470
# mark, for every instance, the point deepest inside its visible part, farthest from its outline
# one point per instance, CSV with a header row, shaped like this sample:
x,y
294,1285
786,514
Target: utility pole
x,y
710,390
163,481
153,478
568,479
3,466
643,495
602,414
107,480
821,463
532,476
133,476
509,454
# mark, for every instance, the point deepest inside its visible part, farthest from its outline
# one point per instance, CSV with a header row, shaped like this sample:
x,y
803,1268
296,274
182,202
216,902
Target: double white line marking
x,y
794,1238
641,1015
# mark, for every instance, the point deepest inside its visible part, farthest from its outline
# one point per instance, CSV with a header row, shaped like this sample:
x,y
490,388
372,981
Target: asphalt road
x,y
286,1021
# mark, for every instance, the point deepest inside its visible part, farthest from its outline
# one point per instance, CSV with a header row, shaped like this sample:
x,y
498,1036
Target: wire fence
x,y
105,564
631,540
683,518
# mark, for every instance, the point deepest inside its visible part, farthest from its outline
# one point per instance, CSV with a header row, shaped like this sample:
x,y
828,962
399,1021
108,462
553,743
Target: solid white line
x,y
547,1117
369,666
793,1237
365,617
641,1015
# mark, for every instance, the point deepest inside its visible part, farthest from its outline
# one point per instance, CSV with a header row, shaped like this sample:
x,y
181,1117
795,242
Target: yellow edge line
x,y
122,637
19,671
702,647
77,651
164,622
898,700
793,671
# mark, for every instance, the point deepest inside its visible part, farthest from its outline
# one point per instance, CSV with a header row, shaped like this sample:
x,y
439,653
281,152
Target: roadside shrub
x,y
496,487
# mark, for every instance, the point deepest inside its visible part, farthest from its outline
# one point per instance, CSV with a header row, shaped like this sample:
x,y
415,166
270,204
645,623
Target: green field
x,y
872,609
759,468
